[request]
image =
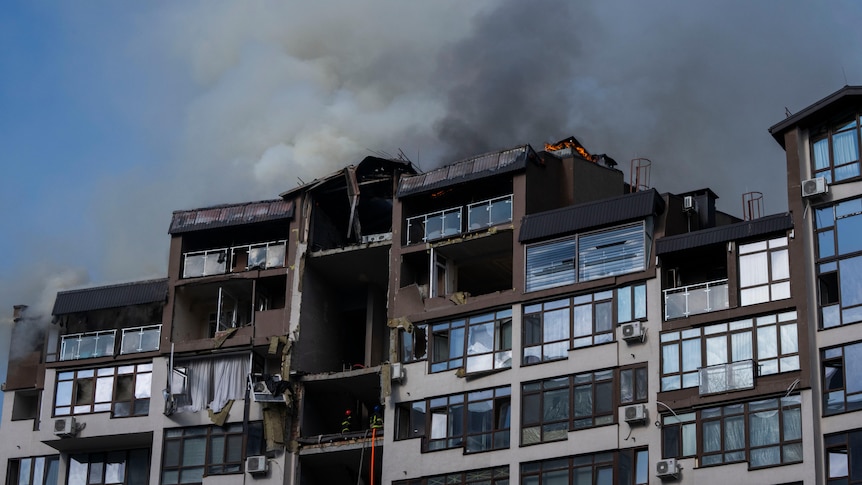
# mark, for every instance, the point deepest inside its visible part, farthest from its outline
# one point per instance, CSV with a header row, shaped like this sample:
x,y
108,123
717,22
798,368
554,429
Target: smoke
x,y
246,100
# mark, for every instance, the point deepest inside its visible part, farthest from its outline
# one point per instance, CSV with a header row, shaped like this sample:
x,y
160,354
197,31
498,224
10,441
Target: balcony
x,y
695,299
245,257
437,225
87,345
140,339
734,376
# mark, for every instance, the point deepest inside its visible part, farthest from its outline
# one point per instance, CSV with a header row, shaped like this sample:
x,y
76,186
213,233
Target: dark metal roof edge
x,y
160,286
288,214
658,206
758,227
779,128
512,167
408,165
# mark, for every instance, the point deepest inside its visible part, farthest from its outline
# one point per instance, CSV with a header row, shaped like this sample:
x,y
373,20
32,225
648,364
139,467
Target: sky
x,y
115,114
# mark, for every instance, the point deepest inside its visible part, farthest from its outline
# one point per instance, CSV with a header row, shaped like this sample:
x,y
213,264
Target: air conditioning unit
x,y
65,427
689,203
397,372
386,236
261,392
814,187
633,332
635,413
256,465
668,468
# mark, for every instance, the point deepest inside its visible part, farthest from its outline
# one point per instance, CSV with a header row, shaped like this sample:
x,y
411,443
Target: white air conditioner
x,y
635,413
689,203
260,392
633,332
815,186
397,372
667,468
65,427
256,465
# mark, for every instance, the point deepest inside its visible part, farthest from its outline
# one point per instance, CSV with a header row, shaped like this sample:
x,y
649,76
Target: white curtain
x,y
225,376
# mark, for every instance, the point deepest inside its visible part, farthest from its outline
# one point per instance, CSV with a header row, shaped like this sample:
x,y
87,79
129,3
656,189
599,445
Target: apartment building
x,y
519,316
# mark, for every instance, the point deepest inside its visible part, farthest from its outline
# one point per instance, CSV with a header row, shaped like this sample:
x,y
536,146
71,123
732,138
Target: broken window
x,y
205,263
414,344
478,343
213,382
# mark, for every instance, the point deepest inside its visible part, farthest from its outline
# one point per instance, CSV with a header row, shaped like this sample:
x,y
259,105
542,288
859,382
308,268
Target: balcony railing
x,y
205,263
140,339
87,345
489,213
695,299
437,225
266,255
217,261
727,377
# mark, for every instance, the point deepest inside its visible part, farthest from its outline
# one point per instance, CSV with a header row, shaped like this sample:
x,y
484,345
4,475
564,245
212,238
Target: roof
x,y
481,166
230,215
368,167
113,296
817,112
722,234
598,213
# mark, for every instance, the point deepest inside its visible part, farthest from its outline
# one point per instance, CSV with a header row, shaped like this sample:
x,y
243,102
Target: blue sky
x,y
114,114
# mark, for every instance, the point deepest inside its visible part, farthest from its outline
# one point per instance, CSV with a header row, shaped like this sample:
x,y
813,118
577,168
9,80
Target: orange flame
x,y
569,143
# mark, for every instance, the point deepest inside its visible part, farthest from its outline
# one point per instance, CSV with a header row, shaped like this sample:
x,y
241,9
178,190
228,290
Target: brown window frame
x,y
497,475
533,472
842,444
250,443
639,382
138,406
828,132
831,355
93,457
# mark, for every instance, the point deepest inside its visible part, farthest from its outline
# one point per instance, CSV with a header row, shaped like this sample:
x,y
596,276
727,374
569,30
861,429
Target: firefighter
x,y
376,420
346,422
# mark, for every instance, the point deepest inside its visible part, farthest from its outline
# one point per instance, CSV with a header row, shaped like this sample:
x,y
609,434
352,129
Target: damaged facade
x,y
519,316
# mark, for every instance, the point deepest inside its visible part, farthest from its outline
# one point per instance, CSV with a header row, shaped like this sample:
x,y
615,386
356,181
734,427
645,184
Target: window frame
x,y
833,355
574,258
250,443
465,351
93,458
138,406
836,442
777,286
561,316
597,463
761,353
497,475
834,228
828,134
535,421
14,469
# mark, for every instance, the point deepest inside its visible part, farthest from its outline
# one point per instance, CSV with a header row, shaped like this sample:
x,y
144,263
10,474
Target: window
x,y
552,407
835,150
123,390
633,384
678,435
839,252
770,341
477,421
130,467
478,343
87,345
764,271
844,458
211,382
625,467
842,379
552,328
205,263
193,453
39,470
414,344
764,433
486,476
140,339
600,254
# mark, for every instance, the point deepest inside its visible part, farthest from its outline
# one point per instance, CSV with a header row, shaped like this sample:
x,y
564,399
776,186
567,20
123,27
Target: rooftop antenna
x,y
752,205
